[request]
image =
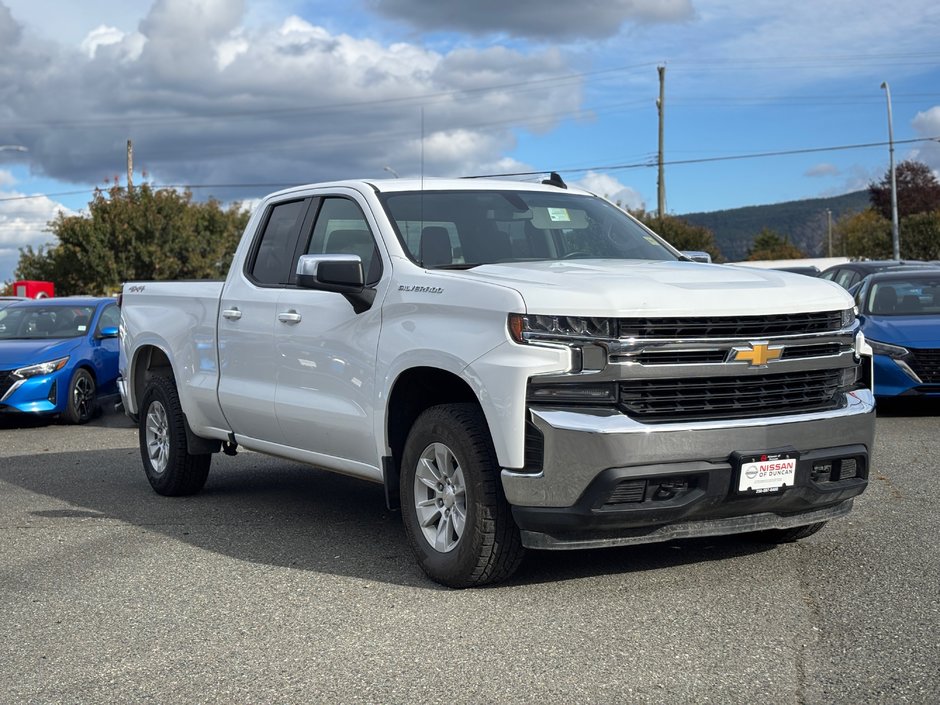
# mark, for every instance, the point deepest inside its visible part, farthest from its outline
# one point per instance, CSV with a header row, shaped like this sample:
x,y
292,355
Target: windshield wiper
x,y
456,266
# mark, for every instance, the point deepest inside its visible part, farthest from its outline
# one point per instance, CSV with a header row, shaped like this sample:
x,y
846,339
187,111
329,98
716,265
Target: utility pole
x,y
130,165
661,182
895,237
829,218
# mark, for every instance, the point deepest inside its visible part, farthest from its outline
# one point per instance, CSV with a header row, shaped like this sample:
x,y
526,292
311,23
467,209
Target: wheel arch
x,y
415,390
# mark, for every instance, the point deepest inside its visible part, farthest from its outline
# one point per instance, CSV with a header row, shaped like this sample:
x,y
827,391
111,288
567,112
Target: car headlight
x,y
43,368
848,316
560,329
895,352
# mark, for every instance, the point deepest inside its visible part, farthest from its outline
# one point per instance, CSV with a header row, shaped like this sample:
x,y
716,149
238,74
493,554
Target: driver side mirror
x,y
338,273
696,256
108,332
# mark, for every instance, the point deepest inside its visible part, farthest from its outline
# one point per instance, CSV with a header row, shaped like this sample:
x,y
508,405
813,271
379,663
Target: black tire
x,y
83,398
171,469
488,548
788,535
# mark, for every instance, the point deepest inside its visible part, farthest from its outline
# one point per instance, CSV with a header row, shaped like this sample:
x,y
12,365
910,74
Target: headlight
x,y
43,368
893,351
848,316
562,329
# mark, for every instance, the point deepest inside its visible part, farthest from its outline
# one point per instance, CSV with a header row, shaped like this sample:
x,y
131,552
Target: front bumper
x,y
896,378
589,453
43,394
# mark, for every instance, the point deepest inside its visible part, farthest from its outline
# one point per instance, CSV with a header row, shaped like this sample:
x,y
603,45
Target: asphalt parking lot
x,y
280,583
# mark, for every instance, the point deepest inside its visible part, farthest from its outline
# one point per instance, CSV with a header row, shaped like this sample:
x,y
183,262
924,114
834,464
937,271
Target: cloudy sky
x,y
241,97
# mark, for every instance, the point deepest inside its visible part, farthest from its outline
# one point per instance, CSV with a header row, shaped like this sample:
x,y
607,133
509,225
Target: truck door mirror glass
x,y
339,273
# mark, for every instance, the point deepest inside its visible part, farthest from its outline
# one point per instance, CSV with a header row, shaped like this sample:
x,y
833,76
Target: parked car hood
x,y
19,353
919,331
596,287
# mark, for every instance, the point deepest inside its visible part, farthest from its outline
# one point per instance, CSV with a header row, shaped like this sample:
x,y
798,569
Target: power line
x,y
703,160
570,170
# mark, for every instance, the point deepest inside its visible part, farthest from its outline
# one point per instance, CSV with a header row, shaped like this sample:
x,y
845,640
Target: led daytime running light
x,y
43,368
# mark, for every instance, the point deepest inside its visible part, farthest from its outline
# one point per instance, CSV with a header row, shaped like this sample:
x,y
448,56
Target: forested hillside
x,y
803,222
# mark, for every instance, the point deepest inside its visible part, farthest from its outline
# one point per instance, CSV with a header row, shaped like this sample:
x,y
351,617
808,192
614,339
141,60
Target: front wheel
x,y
83,397
457,519
171,469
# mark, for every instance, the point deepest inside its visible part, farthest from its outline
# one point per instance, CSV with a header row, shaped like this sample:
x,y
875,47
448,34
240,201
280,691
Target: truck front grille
x,y
926,363
692,328
711,398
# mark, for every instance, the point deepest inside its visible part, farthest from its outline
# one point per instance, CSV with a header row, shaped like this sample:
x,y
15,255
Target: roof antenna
x,y
554,180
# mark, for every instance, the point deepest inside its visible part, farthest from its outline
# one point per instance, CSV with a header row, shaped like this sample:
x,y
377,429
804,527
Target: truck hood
x,y
624,288
20,353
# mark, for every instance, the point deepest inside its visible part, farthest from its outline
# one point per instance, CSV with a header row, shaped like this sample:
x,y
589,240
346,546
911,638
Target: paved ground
x,y
284,584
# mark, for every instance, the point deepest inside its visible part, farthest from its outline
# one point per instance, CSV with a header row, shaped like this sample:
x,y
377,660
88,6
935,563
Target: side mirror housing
x,y
339,273
696,256
108,332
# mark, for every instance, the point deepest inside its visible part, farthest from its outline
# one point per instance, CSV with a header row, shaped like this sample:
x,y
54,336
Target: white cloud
x,y
927,124
823,169
7,178
24,222
208,99
534,18
610,188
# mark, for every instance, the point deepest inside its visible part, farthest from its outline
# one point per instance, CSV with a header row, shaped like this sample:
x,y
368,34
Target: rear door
x,y
247,323
326,351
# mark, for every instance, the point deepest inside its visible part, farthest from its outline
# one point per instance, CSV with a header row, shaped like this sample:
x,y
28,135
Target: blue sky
x,y
276,92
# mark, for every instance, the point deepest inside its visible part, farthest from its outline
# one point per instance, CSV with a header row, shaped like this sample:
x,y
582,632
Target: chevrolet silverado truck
x,y
523,366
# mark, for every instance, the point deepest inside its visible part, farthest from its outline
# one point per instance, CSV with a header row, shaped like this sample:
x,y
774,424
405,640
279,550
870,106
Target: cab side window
x,y
341,228
273,259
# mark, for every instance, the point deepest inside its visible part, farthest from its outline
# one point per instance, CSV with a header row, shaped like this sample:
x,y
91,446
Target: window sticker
x,y
559,215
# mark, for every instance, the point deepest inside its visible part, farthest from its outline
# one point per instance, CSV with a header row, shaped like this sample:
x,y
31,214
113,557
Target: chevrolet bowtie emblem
x,y
758,354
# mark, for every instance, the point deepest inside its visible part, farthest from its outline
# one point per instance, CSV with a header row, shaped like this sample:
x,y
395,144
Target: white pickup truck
x,y
522,365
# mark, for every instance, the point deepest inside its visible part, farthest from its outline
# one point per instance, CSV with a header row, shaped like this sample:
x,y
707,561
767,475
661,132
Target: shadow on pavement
x,y
908,406
277,513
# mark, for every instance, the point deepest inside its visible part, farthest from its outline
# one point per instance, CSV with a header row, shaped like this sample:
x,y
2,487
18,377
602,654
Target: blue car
x,y
58,356
900,317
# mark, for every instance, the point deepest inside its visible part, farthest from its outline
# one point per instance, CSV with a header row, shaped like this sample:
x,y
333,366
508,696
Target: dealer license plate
x,y
767,472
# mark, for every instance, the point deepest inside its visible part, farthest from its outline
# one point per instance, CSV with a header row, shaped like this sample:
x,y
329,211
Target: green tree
x,y
144,234
918,190
920,236
682,234
866,234
770,244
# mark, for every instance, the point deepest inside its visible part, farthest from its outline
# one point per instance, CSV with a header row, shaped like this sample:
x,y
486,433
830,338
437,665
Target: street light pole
x,y
829,219
895,238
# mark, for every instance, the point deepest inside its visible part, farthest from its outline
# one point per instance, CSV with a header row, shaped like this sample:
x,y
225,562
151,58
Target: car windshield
x,y
462,229
37,322
917,296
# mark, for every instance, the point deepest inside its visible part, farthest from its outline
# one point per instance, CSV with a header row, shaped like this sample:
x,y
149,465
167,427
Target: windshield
x,y
461,229
37,322
917,296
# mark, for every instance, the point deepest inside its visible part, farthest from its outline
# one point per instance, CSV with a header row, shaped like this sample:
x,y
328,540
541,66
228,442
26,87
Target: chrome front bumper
x,y
587,453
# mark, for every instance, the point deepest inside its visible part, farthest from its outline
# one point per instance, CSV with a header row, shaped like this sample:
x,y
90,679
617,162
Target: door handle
x,y
289,317
232,314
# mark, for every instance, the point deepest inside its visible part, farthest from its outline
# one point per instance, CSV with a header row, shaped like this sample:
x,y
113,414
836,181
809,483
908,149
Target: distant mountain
x,y
804,222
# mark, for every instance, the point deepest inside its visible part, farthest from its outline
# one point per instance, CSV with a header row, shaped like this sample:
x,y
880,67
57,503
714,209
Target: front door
x,y
326,352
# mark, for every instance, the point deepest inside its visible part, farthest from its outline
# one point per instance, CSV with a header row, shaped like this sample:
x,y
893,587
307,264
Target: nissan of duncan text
x,y
521,366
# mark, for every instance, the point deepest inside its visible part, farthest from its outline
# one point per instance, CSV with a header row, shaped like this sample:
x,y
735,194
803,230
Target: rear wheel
x,y
459,524
171,469
788,535
83,397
